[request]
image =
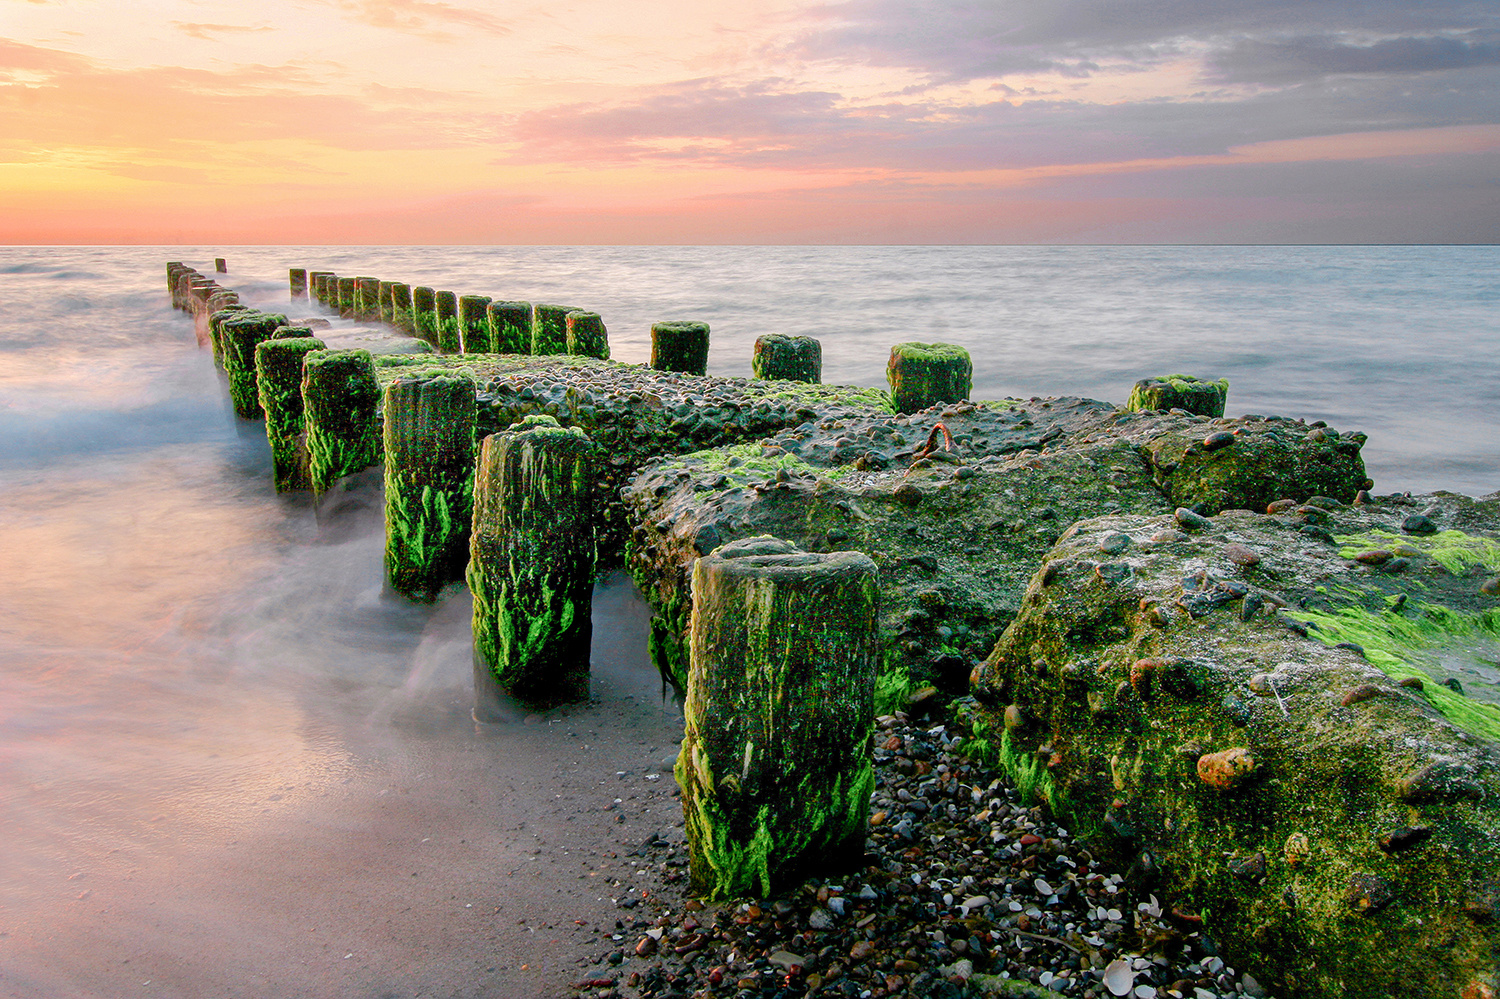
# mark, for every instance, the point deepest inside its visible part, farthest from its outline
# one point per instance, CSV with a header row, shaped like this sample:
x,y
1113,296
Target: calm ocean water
x,y
187,660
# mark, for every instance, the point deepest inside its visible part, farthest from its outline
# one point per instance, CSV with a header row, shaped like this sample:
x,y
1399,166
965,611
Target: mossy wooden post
x,y
775,767
340,400
240,334
216,329
449,334
510,327
429,481
531,563
367,299
175,270
221,265
278,372
549,329
317,283
220,300
183,295
401,315
789,358
424,313
924,374
383,293
680,346
346,304
297,279
474,324
587,335
1203,398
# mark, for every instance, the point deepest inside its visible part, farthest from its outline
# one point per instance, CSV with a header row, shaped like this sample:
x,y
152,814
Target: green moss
x,y
1453,550
449,334
924,374
1185,392
892,688
1411,645
427,532
340,396
680,345
510,327
278,365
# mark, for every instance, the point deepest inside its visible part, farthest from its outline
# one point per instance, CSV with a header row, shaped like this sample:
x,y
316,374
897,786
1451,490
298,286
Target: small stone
x,y
1280,506
1114,543
646,947
1191,519
1363,692
1418,523
1214,442
861,950
820,919
1377,556
907,494
1441,781
1251,868
1241,556
1368,893
1411,682
1404,838
786,959
1297,849
1490,587
1226,769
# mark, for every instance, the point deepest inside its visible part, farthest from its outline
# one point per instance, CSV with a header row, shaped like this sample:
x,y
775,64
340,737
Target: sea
x,y
212,716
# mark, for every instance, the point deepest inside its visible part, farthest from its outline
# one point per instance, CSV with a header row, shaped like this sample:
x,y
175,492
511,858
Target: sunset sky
x,y
749,121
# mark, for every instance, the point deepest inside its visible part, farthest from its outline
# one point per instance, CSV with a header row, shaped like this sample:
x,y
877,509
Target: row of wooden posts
x,y
775,764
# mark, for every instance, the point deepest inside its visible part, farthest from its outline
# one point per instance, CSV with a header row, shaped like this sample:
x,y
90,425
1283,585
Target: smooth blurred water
x,y
183,652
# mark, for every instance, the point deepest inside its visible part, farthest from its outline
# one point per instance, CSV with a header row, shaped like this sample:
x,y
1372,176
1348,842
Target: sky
x,y
749,121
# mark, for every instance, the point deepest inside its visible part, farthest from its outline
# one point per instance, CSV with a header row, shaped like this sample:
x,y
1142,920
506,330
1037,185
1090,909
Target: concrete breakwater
x,y
1192,635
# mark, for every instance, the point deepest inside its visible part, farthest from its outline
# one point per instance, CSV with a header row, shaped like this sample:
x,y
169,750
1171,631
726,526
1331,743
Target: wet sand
x,y
272,786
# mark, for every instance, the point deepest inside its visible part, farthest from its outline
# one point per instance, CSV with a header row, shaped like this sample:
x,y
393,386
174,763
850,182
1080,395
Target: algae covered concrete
x,y
1332,814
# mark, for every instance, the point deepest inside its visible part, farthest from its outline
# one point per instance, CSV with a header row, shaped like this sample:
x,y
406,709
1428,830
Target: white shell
x,y
1118,977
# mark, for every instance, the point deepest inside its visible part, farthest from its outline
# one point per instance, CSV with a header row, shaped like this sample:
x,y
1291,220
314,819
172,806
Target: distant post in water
x,y
474,324
531,563
429,481
924,374
510,327
340,397
680,346
401,315
317,282
278,370
775,766
449,334
424,314
587,335
367,299
549,329
297,278
1197,396
346,301
383,292
790,358
221,265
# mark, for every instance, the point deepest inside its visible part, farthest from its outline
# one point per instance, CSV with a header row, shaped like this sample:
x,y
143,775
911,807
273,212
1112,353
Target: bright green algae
x,y
532,555
587,335
549,328
474,324
278,365
1205,398
241,333
340,396
424,314
1453,550
449,331
510,327
924,374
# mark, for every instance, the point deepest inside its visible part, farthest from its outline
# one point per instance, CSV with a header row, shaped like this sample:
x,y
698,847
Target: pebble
x,y
977,884
1191,519
1418,523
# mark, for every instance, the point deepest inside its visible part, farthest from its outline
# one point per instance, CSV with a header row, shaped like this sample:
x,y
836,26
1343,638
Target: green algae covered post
x,y
424,314
240,334
346,301
367,299
429,481
449,333
278,370
549,328
1197,396
340,400
401,314
510,327
297,279
216,329
680,346
789,358
221,265
531,562
775,766
317,285
474,324
587,335
924,374
383,293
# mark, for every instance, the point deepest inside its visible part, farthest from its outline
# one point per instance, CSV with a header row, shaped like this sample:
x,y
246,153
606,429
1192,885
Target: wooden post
x,y
424,314
680,346
383,305
278,371
429,481
531,562
924,374
240,334
340,398
318,283
346,302
216,329
587,335
549,329
401,314
367,299
449,335
221,265
1202,398
510,327
297,278
474,324
790,358
775,768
